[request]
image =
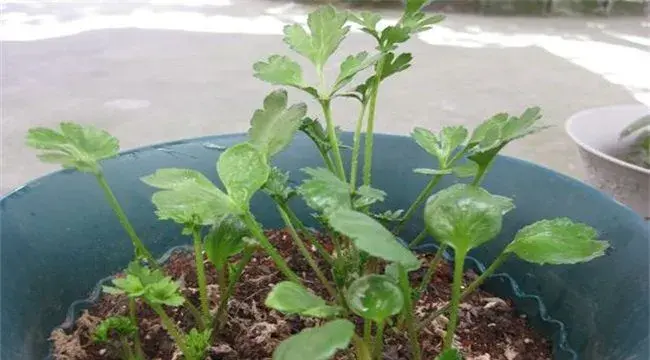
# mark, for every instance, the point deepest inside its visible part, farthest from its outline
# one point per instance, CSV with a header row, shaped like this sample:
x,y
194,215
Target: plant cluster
x,y
367,274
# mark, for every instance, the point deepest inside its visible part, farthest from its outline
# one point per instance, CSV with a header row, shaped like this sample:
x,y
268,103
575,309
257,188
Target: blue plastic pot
x,y
59,238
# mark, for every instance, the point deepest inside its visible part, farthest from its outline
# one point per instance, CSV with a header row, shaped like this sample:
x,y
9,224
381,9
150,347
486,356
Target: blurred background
x,y
161,70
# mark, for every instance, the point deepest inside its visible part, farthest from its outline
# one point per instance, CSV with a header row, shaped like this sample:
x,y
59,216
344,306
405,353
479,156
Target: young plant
x,y
118,331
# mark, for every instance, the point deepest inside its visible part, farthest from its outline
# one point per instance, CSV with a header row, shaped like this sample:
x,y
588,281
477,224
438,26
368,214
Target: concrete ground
x,y
156,71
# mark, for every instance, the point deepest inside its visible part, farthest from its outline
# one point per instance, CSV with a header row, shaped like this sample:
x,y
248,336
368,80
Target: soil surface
x,y
490,328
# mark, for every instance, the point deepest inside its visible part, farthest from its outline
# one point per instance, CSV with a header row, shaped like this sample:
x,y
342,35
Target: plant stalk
x,y
173,331
200,274
140,250
408,314
433,265
459,263
136,337
362,351
356,147
378,346
305,253
126,349
424,194
370,125
223,301
303,229
418,239
258,233
334,142
367,330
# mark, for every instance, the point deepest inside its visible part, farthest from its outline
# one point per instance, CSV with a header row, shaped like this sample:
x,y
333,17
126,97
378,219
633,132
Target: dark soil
x,y
490,327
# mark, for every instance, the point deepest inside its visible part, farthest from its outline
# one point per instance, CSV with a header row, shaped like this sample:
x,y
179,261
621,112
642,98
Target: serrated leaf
x,y
374,297
351,66
426,171
225,240
497,120
441,145
274,126
277,185
389,215
291,298
557,241
393,65
518,127
243,170
450,354
122,326
367,19
279,70
324,191
393,35
415,5
188,197
418,21
371,237
327,30
465,216
197,344
318,343
367,195
152,285
74,146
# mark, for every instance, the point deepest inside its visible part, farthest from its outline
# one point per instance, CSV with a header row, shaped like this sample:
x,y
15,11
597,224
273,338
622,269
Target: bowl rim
x,y
569,124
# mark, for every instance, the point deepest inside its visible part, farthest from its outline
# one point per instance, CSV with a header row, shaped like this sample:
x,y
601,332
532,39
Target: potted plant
x,y
614,145
351,289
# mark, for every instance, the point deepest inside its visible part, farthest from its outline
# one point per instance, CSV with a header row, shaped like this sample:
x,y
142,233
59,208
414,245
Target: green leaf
x,y
389,215
75,146
315,131
375,297
324,191
393,35
371,237
243,170
351,66
121,326
464,216
393,65
327,30
635,126
426,171
279,70
442,145
367,195
450,354
225,240
188,197
152,285
319,343
496,121
274,126
419,21
197,344
415,5
164,292
291,298
367,19
465,170
277,185
557,241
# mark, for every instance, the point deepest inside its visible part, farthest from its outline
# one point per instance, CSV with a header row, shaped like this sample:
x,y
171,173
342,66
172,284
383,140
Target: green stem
x,y
433,265
334,142
408,314
418,239
362,351
225,296
378,346
140,250
303,229
200,273
356,147
469,289
367,330
459,263
173,331
126,349
326,158
258,233
370,125
136,337
305,253
424,194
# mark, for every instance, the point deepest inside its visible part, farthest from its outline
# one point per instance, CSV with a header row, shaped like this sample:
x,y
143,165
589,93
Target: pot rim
x,y
569,124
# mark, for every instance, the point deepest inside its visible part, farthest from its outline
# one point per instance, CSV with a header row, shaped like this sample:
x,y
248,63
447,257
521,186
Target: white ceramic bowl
x,y
596,132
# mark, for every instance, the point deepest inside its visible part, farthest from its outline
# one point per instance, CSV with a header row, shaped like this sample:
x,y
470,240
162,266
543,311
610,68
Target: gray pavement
x,y
150,73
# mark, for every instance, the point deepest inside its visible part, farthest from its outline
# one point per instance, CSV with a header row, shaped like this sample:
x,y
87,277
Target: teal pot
x,y
59,238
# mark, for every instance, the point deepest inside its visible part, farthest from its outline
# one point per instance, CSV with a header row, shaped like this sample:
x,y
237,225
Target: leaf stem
x,y
362,351
140,250
200,273
433,265
258,233
418,201
378,346
356,147
367,330
459,263
136,337
370,125
225,296
407,312
418,239
303,229
305,253
331,135
470,288
173,330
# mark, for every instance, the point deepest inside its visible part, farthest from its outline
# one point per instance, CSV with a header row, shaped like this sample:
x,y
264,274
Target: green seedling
x,y
118,331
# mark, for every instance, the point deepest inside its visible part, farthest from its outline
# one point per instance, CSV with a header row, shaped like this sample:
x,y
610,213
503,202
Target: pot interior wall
x,y
59,238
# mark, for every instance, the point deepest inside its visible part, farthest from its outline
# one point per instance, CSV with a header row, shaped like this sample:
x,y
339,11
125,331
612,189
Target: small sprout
x,y
121,326
441,145
318,343
557,241
152,285
277,186
225,240
291,298
197,344
74,146
375,297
